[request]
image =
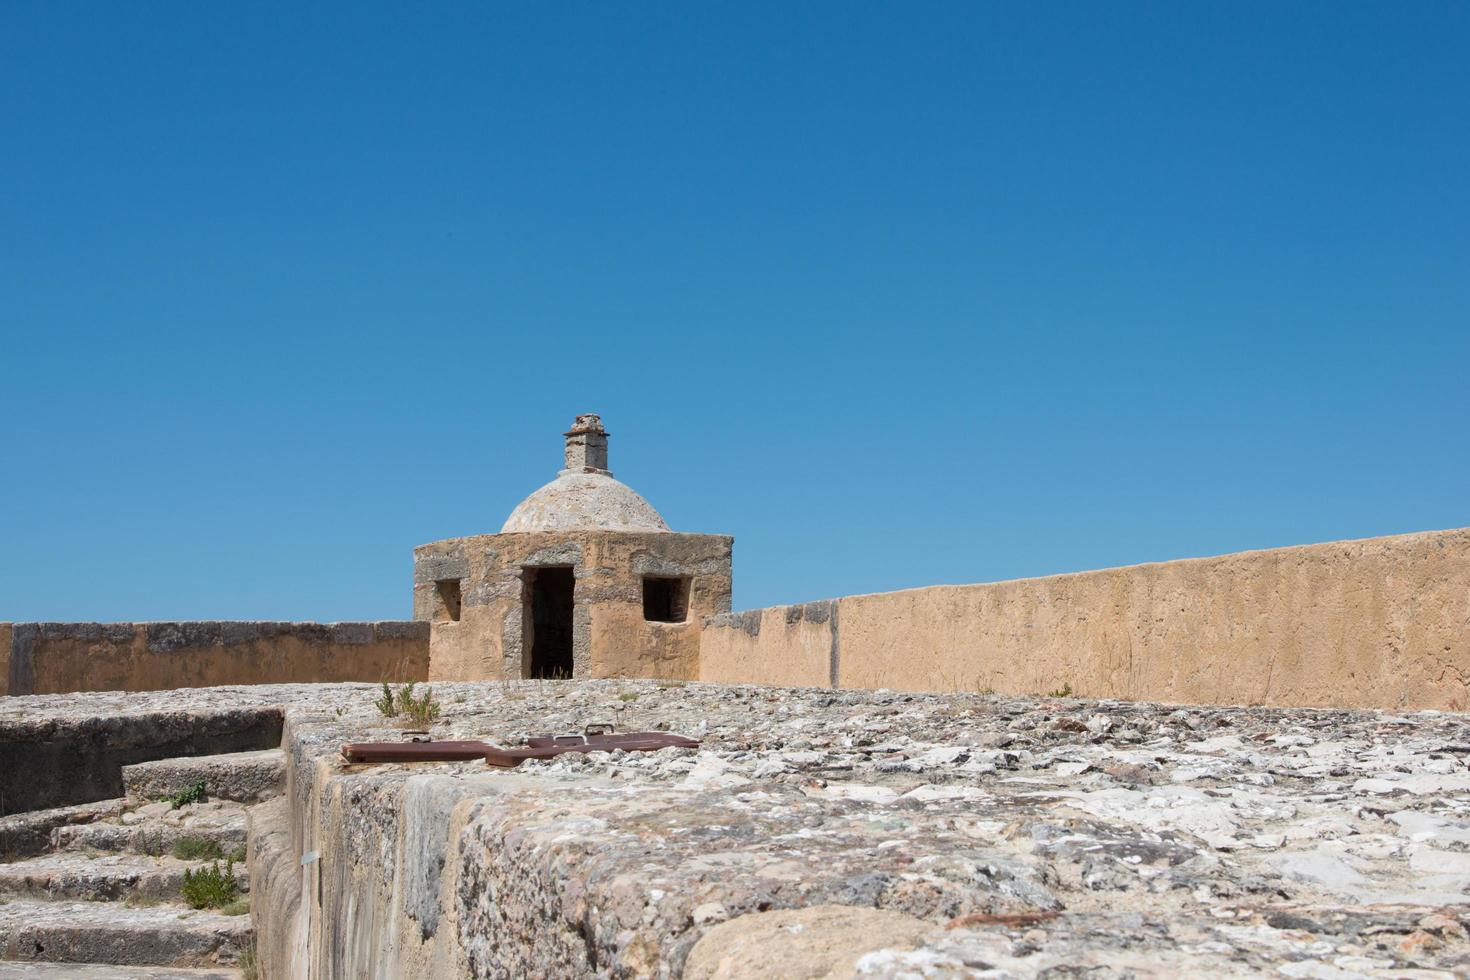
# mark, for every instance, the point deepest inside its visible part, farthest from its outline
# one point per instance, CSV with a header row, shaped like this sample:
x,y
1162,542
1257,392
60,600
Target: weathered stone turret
x,y
585,579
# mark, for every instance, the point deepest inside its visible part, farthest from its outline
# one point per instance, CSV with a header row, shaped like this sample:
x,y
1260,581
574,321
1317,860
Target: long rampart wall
x,y
56,658
1378,622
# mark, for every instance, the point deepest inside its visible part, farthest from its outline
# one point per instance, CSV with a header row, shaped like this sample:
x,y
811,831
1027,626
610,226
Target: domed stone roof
x,y
584,502
584,496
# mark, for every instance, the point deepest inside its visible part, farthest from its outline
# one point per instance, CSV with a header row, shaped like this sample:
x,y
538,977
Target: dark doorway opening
x,y
549,594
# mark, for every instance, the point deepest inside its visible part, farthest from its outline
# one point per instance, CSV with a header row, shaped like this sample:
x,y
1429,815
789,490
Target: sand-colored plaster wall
x,y
53,658
1379,622
665,651
785,645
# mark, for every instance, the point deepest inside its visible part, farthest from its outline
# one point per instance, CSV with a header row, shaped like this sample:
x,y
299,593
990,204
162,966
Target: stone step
x,y
156,836
25,834
246,777
109,933
109,971
99,878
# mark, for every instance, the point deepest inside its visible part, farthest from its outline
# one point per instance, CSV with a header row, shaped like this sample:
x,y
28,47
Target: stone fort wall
x,y
54,658
1379,622
1375,623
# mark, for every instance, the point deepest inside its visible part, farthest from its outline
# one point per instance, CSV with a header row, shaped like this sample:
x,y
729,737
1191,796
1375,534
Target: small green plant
x,y
1065,691
239,906
192,847
249,963
422,709
211,887
194,794
238,854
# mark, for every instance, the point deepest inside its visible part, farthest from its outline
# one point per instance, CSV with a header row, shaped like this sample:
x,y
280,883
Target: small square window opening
x,y
448,600
665,600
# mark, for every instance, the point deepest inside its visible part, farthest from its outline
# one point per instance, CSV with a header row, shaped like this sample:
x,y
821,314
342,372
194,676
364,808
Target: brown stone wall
x,y
610,636
6,630
53,658
1380,622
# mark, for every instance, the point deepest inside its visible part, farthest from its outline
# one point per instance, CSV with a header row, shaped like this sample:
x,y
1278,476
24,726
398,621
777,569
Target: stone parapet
x,y
6,632
51,658
787,645
1378,622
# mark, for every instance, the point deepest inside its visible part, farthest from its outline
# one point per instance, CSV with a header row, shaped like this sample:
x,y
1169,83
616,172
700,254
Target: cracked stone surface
x,y
107,971
1028,836
106,932
155,828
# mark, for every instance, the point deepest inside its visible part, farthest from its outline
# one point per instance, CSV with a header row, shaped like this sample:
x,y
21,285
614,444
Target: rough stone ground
x,y
1002,837
1031,834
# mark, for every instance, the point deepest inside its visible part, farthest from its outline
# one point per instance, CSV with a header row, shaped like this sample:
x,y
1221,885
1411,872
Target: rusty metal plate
x,y
603,739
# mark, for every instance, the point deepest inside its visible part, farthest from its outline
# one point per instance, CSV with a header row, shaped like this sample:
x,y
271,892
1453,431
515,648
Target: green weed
x,y
194,794
211,887
421,710
192,847
249,963
385,703
239,906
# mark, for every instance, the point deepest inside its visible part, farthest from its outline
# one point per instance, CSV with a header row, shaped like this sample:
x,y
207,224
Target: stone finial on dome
x,y
587,446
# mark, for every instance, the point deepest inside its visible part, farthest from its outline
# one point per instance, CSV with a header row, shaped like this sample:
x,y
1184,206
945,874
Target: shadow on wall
x,y
53,761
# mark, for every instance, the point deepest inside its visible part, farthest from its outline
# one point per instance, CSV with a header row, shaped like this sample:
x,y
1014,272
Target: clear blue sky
x,y
897,294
